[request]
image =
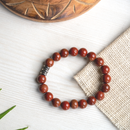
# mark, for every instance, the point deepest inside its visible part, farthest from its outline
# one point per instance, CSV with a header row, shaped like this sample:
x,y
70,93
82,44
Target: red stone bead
x,y
99,61
43,88
105,88
91,56
106,78
41,79
48,96
99,95
65,105
73,51
82,103
74,104
49,62
105,69
83,52
91,100
64,53
56,56
56,102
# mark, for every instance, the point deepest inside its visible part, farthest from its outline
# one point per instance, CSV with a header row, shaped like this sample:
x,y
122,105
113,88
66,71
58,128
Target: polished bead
x,y
91,100
82,103
105,69
48,96
74,104
49,62
99,95
105,88
41,79
64,53
43,88
73,51
65,105
56,56
83,52
91,56
106,78
99,61
56,102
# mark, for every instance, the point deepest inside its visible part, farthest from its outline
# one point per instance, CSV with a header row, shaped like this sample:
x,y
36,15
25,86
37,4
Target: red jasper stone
x,y
73,51
64,53
106,78
83,52
105,69
82,103
99,95
56,56
48,96
74,104
41,79
91,100
49,62
99,61
43,88
56,102
105,88
65,105
91,56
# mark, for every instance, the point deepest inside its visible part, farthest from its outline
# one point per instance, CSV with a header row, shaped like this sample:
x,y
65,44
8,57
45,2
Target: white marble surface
x,y
25,44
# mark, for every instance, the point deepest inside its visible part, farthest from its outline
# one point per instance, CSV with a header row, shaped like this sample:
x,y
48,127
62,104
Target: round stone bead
x,y
99,95
74,104
43,88
83,52
105,88
99,61
56,56
91,100
64,53
73,51
41,79
56,102
91,56
49,62
82,103
105,69
106,78
65,105
48,96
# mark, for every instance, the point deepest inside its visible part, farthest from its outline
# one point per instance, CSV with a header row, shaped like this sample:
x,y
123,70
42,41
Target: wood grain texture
x,y
25,45
49,10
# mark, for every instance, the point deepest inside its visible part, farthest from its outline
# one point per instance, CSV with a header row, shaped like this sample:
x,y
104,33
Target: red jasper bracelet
x,y
74,103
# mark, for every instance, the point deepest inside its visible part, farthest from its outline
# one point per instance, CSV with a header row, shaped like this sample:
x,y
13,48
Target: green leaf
x,y
23,128
6,112
0,88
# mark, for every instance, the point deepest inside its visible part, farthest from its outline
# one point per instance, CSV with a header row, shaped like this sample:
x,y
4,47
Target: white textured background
x,y
25,44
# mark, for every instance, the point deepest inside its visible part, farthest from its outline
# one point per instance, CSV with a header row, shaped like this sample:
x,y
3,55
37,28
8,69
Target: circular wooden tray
x,y
49,10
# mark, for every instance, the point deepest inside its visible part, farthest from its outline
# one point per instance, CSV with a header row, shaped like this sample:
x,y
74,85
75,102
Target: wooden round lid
x,y
49,10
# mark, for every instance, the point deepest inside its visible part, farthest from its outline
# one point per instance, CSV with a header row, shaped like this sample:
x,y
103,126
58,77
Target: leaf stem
x,y
23,128
6,112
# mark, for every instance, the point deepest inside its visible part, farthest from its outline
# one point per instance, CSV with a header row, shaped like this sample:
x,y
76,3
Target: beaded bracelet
x,y
74,103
